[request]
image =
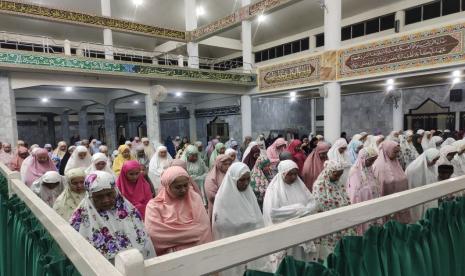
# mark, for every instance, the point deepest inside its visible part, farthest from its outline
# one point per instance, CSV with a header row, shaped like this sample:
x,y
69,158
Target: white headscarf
x,y
114,230
75,162
335,155
47,195
283,201
427,143
420,174
157,166
459,159
449,141
248,149
230,151
435,140
96,158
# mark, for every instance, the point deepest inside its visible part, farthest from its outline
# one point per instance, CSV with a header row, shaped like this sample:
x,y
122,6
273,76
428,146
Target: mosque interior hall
x,y
232,137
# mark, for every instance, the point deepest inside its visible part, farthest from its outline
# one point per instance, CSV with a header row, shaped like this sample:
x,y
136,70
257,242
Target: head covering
x,y
33,170
407,149
420,132
235,211
97,158
149,150
157,165
138,193
211,147
416,144
335,155
76,162
286,201
436,142
6,157
249,155
215,153
259,180
297,156
119,160
390,175
444,151
65,159
419,173
58,152
273,153
362,184
68,201
426,142
114,230
17,161
229,152
197,170
314,165
48,195
214,179
352,150
176,223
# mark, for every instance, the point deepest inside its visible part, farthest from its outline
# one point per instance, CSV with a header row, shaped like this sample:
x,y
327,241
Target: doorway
x,y
430,115
218,127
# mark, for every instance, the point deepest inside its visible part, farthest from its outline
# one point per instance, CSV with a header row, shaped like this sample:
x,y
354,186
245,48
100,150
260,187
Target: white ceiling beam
x,y
223,42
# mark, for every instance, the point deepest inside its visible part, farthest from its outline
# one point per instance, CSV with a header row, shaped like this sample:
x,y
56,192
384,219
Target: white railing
x,y
225,253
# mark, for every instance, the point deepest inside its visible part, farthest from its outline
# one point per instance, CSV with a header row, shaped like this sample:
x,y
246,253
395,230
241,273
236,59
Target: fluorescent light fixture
x,y
261,18
455,80
390,82
136,102
200,11
293,99
137,2
390,87
456,73
293,94
44,100
178,94
68,89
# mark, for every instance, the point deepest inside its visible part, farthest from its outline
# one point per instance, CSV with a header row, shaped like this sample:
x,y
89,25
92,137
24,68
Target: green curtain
x,y
27,249
434,246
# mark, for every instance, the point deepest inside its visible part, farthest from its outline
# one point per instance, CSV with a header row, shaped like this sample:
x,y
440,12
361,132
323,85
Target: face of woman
x,y
451,155
104,200
335,176
63,147
298,148
395,153
428,136
222,150
291,176
193,158
433,162
369,162
224,166
71,150
200,148
179,187
163,154
43,158
243,182
82,155
323,156
232,156
77,184
51,186
24,155
126,154
342,149
99,166
132,175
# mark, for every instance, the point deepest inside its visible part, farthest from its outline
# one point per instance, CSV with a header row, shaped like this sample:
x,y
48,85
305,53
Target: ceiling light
x,y
200,11
456,73
138,2
68,89
390,82
44,100
390,87
261,18
293,94
178,94
293,99
455,80
136,102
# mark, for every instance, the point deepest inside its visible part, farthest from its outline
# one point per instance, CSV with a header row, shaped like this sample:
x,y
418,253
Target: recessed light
x,y
200,11
293,94
136,102
456,73
68,89
455,80
44,100
261,18
390,82
293,99
137,2
178,94
390,87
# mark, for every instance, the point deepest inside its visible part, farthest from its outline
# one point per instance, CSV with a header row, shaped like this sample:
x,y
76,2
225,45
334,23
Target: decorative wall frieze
x,y
10,59
79,18
218,111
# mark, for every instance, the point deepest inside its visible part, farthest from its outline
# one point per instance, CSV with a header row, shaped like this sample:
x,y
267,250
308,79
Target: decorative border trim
x,y
79,18
48,62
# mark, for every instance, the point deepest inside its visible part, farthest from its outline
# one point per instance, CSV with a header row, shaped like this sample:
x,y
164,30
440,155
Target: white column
x,y
65,126
180,61
191,24
192,124
332,101
457,121
152,117
400,15
107,33
67,47
313,115
83,122
246,114
398,114
8,123
247,42
110,125
312,43
51,128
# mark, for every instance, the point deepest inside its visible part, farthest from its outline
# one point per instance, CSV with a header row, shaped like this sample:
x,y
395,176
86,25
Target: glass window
x,y
279,51
431,10
272,53
450,6
305,44
372,26
358,30
265,55
287,49
346,33
296,46
413,15
320,39
463,5
258,57
387,22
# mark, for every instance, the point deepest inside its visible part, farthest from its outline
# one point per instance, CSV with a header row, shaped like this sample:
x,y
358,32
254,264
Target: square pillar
x,y
398,114
246,36
8,122
110,125
83,123
107,33
191,24
51,129
192,124
152,116
65,127
246,114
